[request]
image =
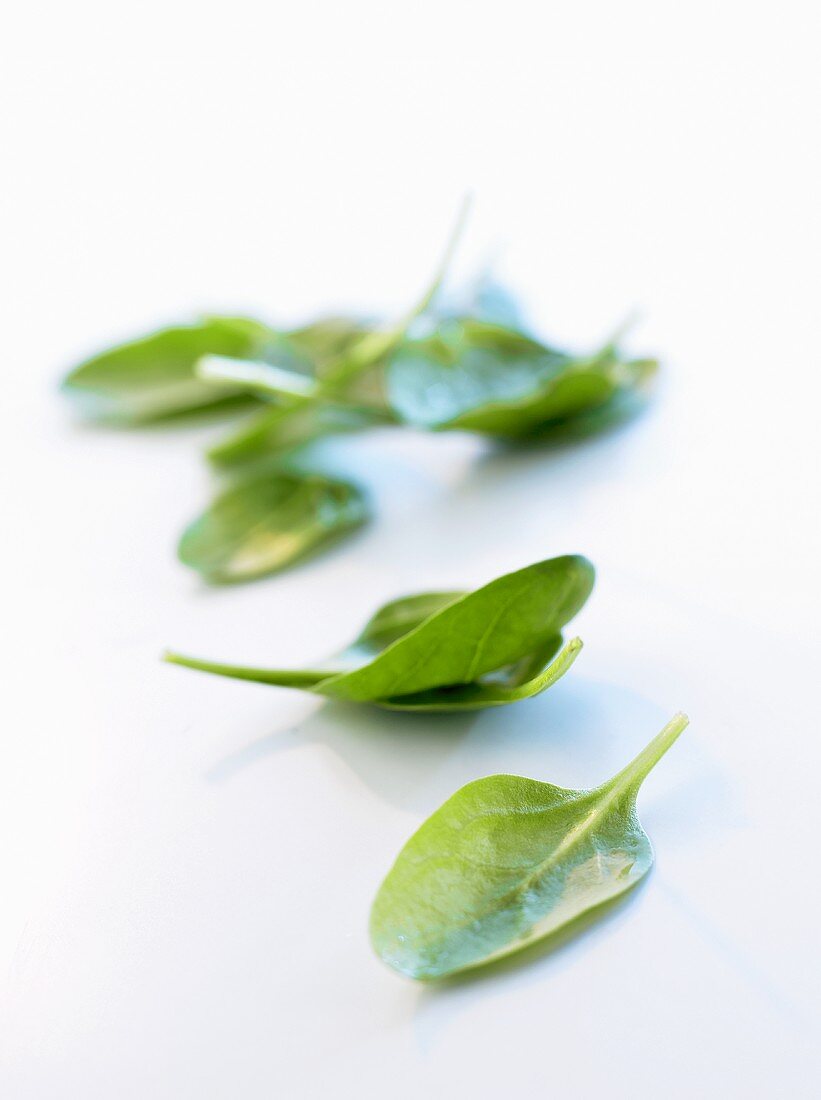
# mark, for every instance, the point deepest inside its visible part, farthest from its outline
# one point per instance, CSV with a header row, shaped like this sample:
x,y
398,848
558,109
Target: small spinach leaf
x,y
476,376
508,860
154,377
268,521
282,429
451,651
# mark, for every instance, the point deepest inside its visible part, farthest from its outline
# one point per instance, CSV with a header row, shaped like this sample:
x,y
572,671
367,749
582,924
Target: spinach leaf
x,y
450,651
267,521
278,430
477,376
154,377
626,403
508,860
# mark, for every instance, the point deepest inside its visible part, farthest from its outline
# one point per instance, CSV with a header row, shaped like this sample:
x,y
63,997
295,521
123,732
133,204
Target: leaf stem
x,y
376,345
281,677
554,671
638,769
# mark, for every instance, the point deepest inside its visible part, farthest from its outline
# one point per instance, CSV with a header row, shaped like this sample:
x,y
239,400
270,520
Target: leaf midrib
x,y
565,846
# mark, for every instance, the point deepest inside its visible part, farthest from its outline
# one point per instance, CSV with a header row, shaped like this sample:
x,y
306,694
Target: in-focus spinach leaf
x,y
268,521
476,376
154,377
508,860
450,651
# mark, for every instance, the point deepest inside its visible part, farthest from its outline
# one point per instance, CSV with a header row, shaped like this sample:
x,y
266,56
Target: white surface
x,y
187,864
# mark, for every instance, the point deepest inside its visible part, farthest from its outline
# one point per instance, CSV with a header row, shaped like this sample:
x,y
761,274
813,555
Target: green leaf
x,y
154,377
507,861
450,651
476,376
277,430
626,403
269,521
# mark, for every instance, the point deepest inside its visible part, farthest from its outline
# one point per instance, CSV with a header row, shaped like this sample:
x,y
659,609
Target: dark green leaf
x,y
269,521
506,861
154,377
451,651
265,380
626,403
475,376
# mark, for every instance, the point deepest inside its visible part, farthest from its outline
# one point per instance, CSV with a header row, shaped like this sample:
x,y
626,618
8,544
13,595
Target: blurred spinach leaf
x,y
269,520
279,430
472,375
154,376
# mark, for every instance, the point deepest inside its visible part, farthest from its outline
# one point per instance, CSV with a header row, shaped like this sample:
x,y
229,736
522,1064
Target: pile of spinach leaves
x,y
473,368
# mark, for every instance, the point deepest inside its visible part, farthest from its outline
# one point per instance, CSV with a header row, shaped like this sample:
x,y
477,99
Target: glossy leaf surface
x,y
269,521
154,377
450,651
508,860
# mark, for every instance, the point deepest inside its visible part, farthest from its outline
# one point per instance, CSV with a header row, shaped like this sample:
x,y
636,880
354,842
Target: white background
x,y
187,863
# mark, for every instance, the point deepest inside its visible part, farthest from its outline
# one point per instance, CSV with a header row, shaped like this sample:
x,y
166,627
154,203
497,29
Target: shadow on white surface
x,y
414,762
439,1003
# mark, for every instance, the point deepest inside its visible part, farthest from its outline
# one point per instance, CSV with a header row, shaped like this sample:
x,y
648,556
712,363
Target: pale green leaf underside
x,y
451,651
507,861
